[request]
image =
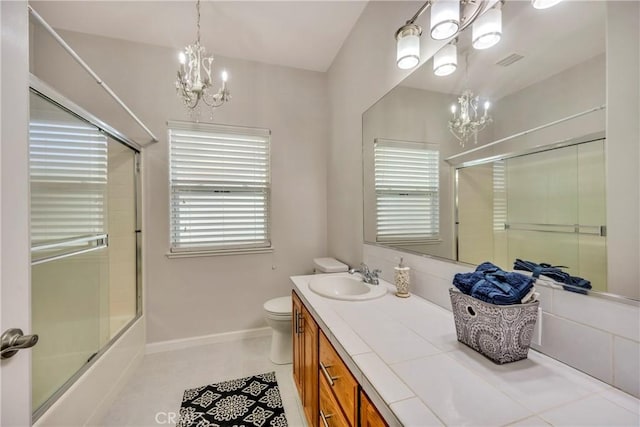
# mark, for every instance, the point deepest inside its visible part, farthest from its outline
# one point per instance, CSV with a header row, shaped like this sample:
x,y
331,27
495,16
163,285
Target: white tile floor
x,y
154,393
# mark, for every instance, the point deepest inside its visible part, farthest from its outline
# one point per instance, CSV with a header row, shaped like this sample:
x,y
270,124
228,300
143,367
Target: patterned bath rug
x,y
243,402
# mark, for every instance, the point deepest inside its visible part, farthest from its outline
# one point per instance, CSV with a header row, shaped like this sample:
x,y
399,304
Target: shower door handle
x,y
13,340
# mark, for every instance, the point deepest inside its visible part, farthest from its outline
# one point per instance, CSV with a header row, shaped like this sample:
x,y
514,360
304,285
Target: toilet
x,y
277,312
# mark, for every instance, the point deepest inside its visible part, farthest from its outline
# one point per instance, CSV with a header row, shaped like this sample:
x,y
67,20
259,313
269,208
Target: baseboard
x,y
161,346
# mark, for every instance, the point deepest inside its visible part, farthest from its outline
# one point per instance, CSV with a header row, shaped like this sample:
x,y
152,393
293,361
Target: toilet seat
x,y
278,307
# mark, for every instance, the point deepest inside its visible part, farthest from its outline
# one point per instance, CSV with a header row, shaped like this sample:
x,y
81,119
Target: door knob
x,y
13,340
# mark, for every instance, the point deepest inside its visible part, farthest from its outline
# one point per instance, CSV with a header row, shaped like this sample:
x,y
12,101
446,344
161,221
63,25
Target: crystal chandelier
x,y
467,121
194,82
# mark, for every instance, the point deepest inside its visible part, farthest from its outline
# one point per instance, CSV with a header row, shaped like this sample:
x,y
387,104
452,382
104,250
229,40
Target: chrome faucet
x,y
368,276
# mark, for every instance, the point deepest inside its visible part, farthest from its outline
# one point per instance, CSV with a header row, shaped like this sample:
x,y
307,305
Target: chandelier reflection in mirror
x,y
466,121
194,83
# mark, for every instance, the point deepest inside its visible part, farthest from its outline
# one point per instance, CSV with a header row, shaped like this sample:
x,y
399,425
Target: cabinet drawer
x,y
338,379
330,414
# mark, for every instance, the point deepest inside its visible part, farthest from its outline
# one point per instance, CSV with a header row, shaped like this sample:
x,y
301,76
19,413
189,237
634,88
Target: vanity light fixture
x,y
448,19
194,83
445,61
544,4
408,46
445,19
466,121
487,30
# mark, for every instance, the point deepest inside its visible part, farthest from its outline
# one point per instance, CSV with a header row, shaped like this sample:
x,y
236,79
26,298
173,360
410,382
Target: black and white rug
x,y
251,401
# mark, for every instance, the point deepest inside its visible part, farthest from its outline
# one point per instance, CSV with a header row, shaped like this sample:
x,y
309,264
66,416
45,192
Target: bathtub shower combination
x,y
85,241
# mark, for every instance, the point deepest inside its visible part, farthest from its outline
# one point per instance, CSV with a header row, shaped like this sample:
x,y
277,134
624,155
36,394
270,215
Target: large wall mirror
x,y
532,184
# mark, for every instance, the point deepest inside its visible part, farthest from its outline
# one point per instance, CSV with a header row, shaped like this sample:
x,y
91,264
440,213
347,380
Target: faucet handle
x,y
376,272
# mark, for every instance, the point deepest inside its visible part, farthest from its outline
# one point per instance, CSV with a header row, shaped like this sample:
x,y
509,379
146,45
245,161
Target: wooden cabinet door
x,y
330,414
369,415
298,343
310,368
339,379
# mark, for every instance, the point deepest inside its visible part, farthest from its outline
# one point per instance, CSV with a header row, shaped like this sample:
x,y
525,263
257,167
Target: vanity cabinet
x,y
369,415
339,380
330,414
330,394
305,359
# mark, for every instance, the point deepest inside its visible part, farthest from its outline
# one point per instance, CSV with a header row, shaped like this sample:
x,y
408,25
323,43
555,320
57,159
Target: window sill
x,y
409,242
221,252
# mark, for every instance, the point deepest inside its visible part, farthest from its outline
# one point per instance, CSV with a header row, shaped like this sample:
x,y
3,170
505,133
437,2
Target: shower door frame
x,y
38,87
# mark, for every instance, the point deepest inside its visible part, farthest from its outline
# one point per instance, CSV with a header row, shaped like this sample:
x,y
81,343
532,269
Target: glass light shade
x,y
487,30
544,4
445,19
408,47
445,61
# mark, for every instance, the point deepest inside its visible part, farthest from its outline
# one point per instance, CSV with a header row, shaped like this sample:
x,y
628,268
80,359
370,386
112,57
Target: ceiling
x,y
551,40
299,34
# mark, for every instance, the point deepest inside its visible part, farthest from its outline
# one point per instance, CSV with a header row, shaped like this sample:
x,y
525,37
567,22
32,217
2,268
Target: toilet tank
x,y
328,265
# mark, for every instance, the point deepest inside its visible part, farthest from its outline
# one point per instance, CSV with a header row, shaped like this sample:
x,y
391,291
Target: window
x,y
406,185
220,187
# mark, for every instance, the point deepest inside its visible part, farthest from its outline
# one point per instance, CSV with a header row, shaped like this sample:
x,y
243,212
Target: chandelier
x,y
467,121
194,83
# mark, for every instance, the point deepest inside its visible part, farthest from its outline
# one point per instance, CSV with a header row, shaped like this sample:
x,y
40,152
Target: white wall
x,y
363,71
192,297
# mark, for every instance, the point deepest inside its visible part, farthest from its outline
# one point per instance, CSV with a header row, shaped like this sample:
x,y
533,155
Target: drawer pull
x,y
328,376
324,418
299,320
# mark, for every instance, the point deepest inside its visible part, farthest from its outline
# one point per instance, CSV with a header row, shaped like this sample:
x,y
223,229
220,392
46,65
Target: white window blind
x,y
499,195
406,185
220,187
68,171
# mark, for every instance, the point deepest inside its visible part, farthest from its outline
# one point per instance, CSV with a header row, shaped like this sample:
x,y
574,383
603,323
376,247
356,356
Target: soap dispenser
x,y
401,279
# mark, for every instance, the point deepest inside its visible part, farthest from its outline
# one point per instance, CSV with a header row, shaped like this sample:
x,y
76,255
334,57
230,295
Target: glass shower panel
x,y
65,304
69,277
121,196
592,216
542,200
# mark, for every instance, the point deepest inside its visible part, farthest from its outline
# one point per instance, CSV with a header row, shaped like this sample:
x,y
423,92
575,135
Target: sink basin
x,y
350,288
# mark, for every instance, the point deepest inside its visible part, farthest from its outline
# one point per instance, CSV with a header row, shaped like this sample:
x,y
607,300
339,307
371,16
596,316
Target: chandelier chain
x,y
198,10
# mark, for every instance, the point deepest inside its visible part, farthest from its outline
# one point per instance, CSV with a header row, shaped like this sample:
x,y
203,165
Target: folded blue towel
x,y
578,284
491,284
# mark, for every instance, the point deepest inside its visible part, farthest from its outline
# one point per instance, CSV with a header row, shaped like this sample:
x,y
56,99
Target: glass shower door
x,y
68,168
84,245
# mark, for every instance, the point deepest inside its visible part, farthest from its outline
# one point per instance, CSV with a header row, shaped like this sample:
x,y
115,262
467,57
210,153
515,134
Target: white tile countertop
x,y
405,354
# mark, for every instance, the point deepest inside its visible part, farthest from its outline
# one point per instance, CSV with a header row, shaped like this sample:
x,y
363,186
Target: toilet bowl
x,y
277,313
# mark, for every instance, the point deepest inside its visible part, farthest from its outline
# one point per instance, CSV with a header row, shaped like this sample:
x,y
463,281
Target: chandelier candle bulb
x,y
401,279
